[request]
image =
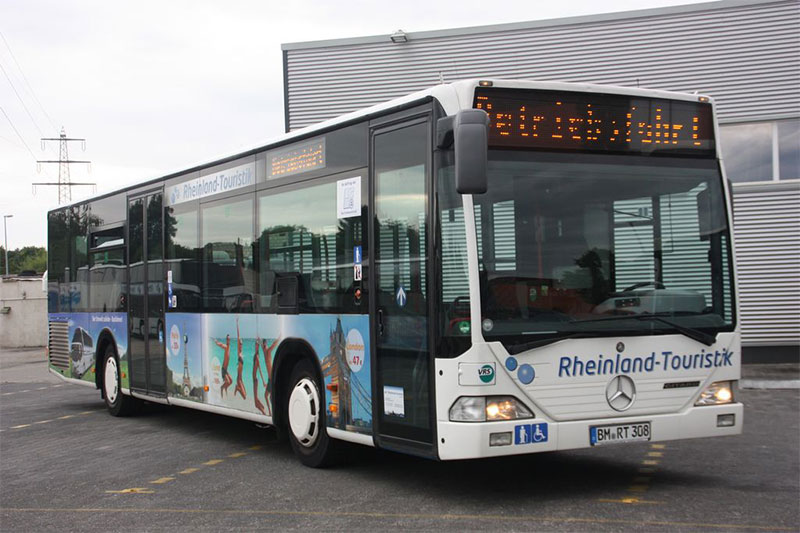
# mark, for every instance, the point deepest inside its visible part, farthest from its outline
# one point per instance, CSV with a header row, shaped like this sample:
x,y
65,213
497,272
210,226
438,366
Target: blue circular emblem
x,y
511,363
526,373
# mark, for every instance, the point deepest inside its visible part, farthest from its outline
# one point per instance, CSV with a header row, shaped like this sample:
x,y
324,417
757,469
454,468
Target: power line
x,y
27,83
21,101
17,132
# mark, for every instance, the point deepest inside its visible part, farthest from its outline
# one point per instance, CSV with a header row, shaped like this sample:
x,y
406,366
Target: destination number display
x,y
596,122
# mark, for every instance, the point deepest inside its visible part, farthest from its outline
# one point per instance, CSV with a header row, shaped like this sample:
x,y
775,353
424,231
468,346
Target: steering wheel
x,y
656,284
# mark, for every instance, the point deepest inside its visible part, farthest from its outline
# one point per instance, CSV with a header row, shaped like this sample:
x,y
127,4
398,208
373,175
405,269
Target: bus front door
x,y
146,294
400,182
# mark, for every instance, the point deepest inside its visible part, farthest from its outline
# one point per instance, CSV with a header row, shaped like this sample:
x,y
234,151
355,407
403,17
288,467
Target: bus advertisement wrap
x,y
83,332
231,366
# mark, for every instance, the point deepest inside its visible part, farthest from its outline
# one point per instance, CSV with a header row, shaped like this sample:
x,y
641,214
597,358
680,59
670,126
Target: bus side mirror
x,y
470,135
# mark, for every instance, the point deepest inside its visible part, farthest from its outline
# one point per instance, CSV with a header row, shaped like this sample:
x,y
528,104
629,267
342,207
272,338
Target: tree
x,y
32,258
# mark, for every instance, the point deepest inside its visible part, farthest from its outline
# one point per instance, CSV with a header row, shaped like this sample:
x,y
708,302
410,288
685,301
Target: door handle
x,y
379,319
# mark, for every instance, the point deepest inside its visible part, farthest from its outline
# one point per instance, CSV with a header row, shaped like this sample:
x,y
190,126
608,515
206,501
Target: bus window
x,y
301,234
229,276
183,256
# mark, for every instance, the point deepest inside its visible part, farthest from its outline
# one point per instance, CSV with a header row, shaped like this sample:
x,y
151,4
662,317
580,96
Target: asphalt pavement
x,y
65,463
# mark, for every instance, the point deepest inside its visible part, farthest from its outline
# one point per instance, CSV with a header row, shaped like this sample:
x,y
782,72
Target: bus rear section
x,y
601,307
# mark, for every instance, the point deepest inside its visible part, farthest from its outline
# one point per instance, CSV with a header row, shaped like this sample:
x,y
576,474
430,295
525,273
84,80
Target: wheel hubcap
x,y
110,383
304,412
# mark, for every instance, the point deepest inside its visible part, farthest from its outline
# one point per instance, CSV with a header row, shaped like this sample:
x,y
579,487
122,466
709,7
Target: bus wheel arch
x,y
107,353
104,340
289,353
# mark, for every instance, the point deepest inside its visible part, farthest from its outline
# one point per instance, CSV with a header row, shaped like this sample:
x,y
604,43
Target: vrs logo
x,y
486,373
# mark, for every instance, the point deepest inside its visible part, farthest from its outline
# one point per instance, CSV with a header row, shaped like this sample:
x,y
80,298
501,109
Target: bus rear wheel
x,y
117,403
305,416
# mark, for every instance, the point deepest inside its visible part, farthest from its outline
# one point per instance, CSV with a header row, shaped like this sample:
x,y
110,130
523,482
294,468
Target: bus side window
x,y
299,232
229,277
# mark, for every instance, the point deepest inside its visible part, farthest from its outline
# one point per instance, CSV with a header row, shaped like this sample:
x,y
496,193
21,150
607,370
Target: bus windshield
x,y
587,245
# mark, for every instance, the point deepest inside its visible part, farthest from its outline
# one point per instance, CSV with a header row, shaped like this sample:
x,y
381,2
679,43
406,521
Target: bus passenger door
x,y
400,183
146,294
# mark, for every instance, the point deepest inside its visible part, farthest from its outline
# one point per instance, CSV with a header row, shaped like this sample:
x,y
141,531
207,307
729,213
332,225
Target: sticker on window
x,y
393,401
348,197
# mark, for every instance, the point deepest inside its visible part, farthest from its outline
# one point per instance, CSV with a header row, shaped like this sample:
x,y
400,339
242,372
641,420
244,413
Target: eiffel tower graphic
x,y
187,383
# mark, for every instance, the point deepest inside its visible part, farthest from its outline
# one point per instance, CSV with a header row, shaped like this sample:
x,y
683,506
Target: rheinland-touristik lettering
x,y
576,366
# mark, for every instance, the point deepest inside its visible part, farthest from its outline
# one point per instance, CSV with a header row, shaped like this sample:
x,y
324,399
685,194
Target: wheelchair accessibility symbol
x,y
530,433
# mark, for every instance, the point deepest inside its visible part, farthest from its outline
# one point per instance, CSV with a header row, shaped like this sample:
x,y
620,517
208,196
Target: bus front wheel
x,y
305,414
117,403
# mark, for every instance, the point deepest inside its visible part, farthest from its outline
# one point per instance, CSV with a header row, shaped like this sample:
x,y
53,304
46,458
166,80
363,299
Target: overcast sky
x,y
155,86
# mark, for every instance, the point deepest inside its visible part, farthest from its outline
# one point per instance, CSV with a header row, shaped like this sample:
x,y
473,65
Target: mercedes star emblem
x,y
620,393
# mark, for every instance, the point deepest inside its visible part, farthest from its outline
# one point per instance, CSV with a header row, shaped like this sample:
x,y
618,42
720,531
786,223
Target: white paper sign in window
x,y
393,401
348,197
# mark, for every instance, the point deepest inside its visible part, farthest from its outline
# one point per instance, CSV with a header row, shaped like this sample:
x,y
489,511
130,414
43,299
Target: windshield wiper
x,y
699,336
525,346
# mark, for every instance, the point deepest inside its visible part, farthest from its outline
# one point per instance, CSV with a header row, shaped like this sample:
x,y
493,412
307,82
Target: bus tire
x,y
117,403
305,418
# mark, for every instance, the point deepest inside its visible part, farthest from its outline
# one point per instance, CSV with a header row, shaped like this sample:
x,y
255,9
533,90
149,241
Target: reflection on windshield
x,y
566,240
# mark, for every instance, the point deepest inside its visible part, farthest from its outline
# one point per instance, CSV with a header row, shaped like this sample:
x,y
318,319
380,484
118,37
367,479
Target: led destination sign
x,y
596,122
296,158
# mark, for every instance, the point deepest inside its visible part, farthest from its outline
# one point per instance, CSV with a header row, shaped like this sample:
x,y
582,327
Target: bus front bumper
x,y
465,440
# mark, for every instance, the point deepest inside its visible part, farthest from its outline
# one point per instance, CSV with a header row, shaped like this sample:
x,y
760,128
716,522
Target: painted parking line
x,y
134,490
65,417
641,482
470,518
167,479
28,390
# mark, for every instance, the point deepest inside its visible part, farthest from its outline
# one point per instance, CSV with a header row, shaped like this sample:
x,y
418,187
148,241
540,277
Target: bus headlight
x,y
488,409
717,393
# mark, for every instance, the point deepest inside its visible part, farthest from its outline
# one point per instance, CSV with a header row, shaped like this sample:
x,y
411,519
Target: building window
x,y
761,151
747,151
789,149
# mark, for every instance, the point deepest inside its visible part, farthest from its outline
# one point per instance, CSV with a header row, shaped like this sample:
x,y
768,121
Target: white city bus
x,y
483,268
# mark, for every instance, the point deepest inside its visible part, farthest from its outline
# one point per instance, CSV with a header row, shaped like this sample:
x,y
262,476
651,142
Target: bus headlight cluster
x,y
488,409
717,393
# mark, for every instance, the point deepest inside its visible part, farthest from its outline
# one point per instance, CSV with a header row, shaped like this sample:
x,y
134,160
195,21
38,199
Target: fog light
x,y
726,421
717,393
500,439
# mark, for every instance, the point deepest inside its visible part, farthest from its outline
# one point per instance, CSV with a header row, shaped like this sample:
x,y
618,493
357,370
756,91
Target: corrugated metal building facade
x,y
746,54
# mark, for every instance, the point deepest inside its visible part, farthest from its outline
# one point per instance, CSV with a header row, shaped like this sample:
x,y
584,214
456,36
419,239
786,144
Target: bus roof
x,y
452,97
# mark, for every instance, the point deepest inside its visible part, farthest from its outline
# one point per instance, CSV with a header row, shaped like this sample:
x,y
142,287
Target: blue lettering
x,y
575,363
727,357
608,366
626,365
707,363
650,362
666,359
590,368
564,367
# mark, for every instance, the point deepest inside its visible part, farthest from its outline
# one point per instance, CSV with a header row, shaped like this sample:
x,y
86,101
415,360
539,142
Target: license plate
x,y
619,433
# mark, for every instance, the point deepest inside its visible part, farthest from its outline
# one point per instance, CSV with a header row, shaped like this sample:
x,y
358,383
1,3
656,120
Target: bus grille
x,y
58,344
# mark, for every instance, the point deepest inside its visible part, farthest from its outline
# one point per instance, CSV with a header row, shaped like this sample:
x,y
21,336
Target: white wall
x,y
25,324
